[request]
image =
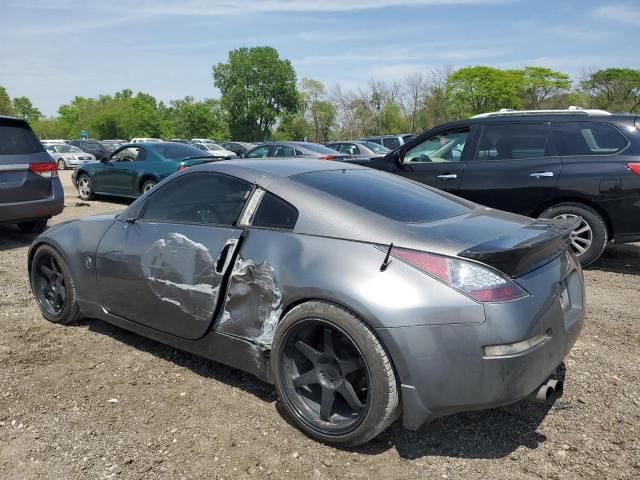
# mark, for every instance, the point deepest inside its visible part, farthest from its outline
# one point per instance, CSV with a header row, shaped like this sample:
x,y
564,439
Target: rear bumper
x,y
443,369
26,211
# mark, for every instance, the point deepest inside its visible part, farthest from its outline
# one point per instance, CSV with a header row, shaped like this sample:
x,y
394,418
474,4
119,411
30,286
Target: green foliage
x,y
539,83
23,108
6,108
49,128
474,90
192,119
391,118
257,88
615,89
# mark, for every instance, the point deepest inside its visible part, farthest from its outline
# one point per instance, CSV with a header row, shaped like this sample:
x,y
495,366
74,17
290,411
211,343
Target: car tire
x,y
85,187
147,185
62,165
53,287
35,226
308,367
591,234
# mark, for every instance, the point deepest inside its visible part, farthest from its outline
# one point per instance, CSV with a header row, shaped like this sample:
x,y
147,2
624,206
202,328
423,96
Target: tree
x,y
326,117
616,89
415,86
204,119
49,128
539,84
24,109
480,89
6,108
257,87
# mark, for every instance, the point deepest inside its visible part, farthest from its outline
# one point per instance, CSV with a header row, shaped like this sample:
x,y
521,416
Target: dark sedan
x,y
135,168
359,294
296,149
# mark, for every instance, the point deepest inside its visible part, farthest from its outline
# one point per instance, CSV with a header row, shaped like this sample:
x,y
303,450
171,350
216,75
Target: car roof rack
x,y
572,110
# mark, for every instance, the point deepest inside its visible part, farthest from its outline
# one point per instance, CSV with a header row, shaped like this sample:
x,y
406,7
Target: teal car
x,y
133,169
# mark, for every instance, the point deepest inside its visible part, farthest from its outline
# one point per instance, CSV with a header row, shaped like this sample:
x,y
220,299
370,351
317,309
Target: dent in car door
x,y
515,167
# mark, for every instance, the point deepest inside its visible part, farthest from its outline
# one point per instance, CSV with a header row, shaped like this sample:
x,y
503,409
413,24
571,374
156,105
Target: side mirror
x,y
398,157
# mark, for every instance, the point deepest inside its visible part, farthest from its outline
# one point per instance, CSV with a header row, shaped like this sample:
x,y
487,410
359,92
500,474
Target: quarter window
x,y
259,152
198,198
513,141
274,212
391,143
443,147
588,138
283,151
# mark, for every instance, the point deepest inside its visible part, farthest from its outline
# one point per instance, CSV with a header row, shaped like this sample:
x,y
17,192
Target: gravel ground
x,y
93,401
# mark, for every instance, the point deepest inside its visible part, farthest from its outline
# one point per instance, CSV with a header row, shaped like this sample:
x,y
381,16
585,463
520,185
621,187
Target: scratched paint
x,y
254,302
182,273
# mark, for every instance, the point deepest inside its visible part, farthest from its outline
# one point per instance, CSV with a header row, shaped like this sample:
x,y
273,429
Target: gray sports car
x,y
361,295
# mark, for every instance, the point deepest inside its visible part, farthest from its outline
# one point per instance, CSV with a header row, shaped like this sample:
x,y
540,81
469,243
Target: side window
x,y
283,151
299,153
274,212
513,141
129,154
588,138
219,200
391,143
443,147
350,149
259,152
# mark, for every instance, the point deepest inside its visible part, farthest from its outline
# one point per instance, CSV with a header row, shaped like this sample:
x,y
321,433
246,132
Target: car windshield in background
x,y
319,148
176,151
384,194
375,148
18,139
213,146
111,146
66,149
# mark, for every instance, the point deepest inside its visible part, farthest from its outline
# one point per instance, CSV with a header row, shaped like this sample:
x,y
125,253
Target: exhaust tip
x,y
547,393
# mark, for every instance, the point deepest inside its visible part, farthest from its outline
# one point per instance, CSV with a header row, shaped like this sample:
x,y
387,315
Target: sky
x,y
52,51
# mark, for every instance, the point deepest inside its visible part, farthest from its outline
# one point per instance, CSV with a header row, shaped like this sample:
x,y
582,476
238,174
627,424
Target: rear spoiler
x,y
526,249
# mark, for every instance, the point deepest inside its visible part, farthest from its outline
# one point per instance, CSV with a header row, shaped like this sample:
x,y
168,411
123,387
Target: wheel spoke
x,y
47,271
327,335
308,351
578,247
326,403
582,230
349,366
584,241
349,394
308,378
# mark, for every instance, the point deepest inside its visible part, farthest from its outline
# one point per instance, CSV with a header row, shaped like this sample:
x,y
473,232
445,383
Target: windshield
x,y
319,148
176,151
65,149
385,194
111,146
213,146
375,148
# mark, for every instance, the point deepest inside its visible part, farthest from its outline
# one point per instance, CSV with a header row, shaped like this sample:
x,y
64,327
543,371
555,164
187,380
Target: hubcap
x,y
148,186
49,285
325,377
84,187
582,237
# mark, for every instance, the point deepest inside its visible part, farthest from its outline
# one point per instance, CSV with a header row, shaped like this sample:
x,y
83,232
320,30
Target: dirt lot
x,y
93,401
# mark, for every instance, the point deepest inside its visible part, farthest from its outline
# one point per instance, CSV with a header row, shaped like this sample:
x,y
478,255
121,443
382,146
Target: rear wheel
x,y
85,187
333,375
34,226
147,185
53,286
590,237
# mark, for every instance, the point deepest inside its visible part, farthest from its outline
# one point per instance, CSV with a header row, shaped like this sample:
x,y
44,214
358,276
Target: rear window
x,y
319,148
384,194
16,138
175,151
588,138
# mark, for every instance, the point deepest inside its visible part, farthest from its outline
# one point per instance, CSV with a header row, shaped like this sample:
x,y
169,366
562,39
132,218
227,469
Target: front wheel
x,y
590,237
85,187
147,185
333,375
62,165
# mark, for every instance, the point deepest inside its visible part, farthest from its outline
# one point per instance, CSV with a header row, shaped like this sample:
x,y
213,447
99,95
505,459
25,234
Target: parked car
x,y
93,147
135,168
359,148
414,302
30,190
549,164
202,140
111,145
68,156
214,150
145,140
295,149
390,141
54,142
239,148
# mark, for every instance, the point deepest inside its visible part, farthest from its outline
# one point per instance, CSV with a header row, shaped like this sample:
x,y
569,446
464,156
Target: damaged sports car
x,y
360,295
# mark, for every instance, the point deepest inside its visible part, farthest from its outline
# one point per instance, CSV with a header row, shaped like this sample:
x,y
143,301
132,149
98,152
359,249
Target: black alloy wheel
x,y
50,286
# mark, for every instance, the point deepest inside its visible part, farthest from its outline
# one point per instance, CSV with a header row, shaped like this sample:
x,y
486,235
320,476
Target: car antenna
x,y
387,260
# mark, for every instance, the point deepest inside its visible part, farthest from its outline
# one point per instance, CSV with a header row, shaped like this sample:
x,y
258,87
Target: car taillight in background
x,y
181,167
327,157
44,169
634,167
479,282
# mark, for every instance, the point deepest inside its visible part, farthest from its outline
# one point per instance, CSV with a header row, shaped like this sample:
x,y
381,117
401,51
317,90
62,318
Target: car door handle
x,y
541,174
448,176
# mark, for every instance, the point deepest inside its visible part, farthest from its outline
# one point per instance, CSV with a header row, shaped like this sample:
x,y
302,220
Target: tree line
x,y
261,98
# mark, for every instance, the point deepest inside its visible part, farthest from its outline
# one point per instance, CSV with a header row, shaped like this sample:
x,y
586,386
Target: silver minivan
x,y
30,190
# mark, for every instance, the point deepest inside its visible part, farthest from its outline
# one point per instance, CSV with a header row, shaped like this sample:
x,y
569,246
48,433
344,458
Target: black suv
x,y
93,147
549,164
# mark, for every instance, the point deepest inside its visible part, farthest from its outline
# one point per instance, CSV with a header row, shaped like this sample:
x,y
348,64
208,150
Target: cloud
x,y
629,14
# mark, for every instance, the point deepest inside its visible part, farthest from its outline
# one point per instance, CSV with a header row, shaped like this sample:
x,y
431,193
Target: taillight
x,y
182,167
478,281
327,157
634,167
44,169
